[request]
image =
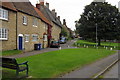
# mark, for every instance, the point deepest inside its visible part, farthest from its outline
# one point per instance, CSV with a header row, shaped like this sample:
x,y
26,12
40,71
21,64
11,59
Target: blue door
x,y
20,43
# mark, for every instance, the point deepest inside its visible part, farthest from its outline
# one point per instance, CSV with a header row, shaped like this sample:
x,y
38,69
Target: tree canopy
x,y
101,18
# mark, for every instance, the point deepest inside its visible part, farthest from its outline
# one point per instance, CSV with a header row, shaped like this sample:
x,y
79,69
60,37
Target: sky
x,y
70,9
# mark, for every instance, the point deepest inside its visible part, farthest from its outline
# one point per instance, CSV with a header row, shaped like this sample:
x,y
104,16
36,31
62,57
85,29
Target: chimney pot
x,y
41,2
59,17
47,5
64,22
38,6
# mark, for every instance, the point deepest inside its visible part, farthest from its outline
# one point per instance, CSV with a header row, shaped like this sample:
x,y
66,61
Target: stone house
x,y
8,34
52,17
44,30
30,28
66,28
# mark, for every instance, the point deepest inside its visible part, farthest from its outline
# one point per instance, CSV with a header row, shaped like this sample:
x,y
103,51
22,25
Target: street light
x,y
96,34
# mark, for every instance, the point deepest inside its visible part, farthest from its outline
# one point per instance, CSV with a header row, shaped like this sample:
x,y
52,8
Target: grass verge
x,y
10,52
109,45
53,64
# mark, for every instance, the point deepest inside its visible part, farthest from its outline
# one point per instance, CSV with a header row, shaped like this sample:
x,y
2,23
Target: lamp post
x,y
96,34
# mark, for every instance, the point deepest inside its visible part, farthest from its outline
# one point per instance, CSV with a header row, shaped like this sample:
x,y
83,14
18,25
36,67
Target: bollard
x,y
114,46
60,48
111,49
106,47
84,45
68,46
87,46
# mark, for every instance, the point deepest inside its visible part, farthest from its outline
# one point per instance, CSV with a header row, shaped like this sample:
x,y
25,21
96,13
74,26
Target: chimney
x,y
64,22
47,5
38,6
53,11
41,2
55,14
59,17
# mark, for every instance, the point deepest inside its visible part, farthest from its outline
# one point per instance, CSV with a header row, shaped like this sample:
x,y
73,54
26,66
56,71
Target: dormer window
x,y
25,20
3,14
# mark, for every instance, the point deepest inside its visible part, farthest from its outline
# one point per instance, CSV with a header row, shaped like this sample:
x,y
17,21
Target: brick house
x,y
29,26
66,28
8,34
45,31
52,17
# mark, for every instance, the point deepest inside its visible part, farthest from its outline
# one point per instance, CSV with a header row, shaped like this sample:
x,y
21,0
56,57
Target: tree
x,y
99,21
64,33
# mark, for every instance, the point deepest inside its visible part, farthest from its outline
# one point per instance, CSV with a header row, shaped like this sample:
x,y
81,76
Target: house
x,y
52,17
66,28
29,26
46,31
8,24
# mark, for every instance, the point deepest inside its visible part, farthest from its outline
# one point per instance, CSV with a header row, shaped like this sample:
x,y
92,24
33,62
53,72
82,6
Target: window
x,y
35,37
44,37
26,38
3,14
35,23
3,34
24,20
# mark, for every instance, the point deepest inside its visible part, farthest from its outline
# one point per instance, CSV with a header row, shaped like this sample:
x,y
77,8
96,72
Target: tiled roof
x,y
8,5
48,14
41,15
26,7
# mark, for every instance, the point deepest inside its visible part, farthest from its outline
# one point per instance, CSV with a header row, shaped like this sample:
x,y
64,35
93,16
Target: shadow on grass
x,y
8,74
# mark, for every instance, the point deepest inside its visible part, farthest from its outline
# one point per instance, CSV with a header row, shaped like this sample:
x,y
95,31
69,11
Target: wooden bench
x,y
11,63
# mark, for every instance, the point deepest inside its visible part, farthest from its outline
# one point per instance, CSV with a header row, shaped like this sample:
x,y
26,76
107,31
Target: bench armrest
x,y
23,63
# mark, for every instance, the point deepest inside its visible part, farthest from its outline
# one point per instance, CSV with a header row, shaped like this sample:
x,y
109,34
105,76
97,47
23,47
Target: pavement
x,y
113,72
26,54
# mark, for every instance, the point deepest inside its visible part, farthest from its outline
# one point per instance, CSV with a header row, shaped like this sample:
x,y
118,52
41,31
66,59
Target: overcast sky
x,y
71,9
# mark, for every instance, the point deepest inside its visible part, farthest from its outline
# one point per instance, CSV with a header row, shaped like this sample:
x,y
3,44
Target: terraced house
x,y
24,25
8,34
45,29
52,17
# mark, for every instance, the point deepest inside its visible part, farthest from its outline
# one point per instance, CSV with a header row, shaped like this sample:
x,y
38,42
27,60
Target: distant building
x,y
99,1
119,6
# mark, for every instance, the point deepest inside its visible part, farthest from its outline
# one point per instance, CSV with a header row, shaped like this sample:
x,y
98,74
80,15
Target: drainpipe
x,y
16,32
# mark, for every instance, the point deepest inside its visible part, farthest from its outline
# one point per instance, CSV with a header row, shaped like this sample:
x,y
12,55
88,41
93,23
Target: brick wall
x,y
10,25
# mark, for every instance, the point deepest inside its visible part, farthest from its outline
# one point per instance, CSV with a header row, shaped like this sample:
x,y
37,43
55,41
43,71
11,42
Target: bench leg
x,y
17,73
27,72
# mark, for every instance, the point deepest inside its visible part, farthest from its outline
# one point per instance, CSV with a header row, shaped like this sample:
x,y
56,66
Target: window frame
x,y
27,38
3,32
25,20
35,22
35,35
4,14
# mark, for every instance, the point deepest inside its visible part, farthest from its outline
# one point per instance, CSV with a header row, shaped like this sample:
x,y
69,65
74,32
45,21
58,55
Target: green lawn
x,y
92,44
10,52
55,63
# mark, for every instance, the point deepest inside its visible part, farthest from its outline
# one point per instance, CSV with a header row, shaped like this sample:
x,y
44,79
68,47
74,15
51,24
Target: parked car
x,y
63,40
55,44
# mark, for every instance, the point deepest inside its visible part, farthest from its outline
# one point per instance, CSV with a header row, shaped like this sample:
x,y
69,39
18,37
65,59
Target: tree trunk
x,y
99,41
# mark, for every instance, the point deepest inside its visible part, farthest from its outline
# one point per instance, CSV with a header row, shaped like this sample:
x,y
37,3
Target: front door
x,y
20,43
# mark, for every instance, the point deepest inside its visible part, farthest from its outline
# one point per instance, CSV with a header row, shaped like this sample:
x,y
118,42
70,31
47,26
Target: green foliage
x,y
105,17
64,33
